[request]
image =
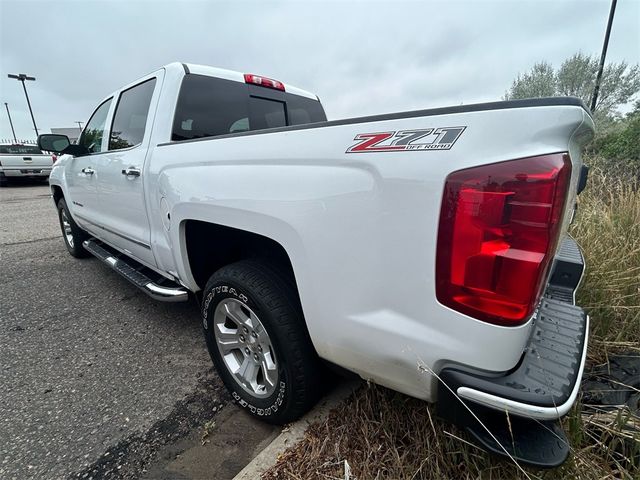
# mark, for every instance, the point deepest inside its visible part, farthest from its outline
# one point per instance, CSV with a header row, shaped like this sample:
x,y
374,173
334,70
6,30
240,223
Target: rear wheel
x,y
259,343
72,234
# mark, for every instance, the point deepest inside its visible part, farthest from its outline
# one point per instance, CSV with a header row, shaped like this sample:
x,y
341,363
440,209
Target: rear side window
x,y
209,106
130,119
20,150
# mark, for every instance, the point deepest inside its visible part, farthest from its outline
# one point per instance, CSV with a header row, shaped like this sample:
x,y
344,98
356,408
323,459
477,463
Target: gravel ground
x,y
90,366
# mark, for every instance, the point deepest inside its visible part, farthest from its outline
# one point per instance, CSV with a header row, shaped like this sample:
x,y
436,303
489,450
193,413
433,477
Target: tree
x,y
576,77
621,144
539,82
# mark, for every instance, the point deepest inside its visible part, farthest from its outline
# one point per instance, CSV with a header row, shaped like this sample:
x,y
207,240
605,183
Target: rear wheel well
x,y
211,247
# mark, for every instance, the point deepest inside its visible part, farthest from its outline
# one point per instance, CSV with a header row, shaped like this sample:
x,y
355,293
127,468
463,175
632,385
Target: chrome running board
x,y
126,267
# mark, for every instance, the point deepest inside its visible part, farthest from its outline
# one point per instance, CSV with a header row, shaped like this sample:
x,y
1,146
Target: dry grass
x,y
608,229
386,435
382,434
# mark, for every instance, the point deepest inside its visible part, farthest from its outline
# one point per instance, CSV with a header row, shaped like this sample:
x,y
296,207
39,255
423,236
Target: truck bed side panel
x,y
360,228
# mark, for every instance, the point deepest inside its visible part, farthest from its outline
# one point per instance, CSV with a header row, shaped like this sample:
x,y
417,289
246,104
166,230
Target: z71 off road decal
x,y
406,140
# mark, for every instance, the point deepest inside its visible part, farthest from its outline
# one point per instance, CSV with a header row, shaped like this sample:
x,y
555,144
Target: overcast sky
x,y
359,57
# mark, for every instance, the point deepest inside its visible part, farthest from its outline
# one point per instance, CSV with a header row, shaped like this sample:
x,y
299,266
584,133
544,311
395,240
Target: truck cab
x,y
104,181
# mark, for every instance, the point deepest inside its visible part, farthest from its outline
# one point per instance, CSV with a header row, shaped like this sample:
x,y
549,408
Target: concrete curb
x,y
295,432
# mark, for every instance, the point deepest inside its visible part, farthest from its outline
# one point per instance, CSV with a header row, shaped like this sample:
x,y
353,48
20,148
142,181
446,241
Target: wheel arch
x,y
56,193
210,246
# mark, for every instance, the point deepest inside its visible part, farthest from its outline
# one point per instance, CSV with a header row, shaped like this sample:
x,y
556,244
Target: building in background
x,y
72,132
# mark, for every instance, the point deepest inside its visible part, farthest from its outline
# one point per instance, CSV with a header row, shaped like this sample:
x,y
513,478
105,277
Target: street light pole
x,y
10,122
21,77
596,90
79,124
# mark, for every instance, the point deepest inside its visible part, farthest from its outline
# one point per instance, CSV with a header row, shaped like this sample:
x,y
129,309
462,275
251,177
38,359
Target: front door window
x,y
91,137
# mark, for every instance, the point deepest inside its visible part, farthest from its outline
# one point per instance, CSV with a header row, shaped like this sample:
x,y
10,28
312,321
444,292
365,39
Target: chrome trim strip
x,y
526,410
129,239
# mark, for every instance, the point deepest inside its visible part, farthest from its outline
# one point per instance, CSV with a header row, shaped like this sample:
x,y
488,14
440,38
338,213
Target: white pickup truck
x,y
23,161
425,251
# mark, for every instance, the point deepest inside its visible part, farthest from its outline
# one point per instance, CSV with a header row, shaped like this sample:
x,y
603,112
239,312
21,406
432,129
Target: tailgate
x,y
25,161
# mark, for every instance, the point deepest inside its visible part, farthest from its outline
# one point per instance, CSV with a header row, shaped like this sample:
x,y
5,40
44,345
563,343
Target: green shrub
x,y
619,146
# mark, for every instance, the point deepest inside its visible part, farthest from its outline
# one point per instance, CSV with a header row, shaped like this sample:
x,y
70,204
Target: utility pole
x,y
10,122
21,77
596,89
79,124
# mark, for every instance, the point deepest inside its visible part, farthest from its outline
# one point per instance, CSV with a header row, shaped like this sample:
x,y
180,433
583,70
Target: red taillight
x,y
263,81
54,158
499,225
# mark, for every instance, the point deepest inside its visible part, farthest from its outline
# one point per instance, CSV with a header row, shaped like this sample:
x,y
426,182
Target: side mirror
x,y
60,144
53,143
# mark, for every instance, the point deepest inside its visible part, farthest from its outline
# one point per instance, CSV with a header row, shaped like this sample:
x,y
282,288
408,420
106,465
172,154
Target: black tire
x,y
78,235
4,181
275,302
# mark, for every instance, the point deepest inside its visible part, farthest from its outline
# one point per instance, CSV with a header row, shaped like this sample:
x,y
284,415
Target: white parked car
x,y
425,251
23,161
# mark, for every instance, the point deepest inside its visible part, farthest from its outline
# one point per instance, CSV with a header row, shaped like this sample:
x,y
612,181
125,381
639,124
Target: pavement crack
x,y
28,241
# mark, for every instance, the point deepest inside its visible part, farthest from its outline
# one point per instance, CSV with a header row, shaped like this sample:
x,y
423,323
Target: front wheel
x,y
259,343
72,234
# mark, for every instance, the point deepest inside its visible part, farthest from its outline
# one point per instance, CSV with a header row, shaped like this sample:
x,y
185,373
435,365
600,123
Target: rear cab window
x,y
266,113
210,106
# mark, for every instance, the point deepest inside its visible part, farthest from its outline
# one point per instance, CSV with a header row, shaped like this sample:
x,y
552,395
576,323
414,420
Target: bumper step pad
x,y
549,368
568,267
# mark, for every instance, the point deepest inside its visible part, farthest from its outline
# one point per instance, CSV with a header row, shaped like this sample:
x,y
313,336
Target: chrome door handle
x,y
131,172
88,170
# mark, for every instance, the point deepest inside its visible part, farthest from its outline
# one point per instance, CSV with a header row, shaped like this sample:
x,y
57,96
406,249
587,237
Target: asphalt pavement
x,y
96,379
